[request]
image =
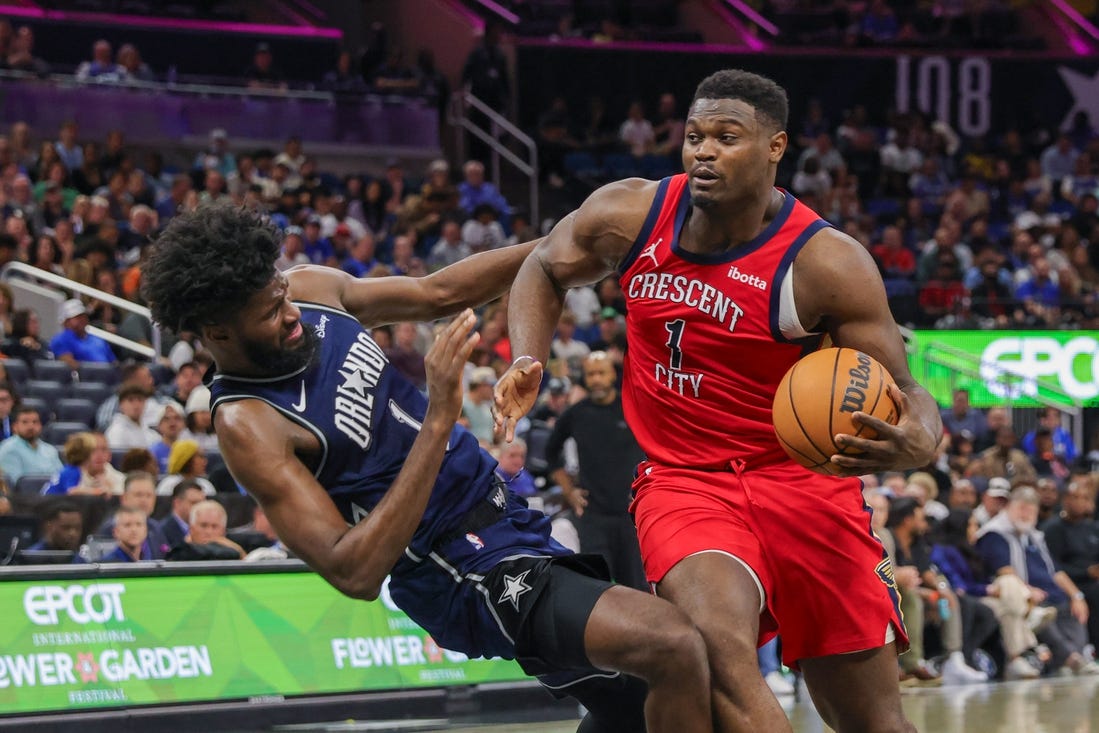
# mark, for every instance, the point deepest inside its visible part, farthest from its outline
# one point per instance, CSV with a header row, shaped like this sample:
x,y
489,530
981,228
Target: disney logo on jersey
x,y
703,297
743,277
321,326
361,370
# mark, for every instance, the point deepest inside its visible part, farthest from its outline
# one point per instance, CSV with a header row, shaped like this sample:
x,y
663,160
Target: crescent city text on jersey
x,y
692,293
361,370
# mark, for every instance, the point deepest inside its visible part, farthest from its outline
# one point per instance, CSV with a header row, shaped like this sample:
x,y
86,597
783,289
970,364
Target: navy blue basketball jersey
x,y
366,416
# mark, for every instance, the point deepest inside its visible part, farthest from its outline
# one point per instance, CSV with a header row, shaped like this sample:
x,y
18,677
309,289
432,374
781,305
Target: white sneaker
x,y
779,684
1020,669
1087,670
957,672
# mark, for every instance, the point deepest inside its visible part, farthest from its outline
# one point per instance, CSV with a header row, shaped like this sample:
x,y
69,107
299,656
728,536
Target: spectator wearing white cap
x,y
197,417
477,405
73,344
993,500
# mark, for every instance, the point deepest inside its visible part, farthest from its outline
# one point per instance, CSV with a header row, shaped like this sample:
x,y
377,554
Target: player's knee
x,y
675,648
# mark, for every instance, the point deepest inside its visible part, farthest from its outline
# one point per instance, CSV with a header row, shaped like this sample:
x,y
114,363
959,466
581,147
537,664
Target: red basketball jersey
x,y
705,350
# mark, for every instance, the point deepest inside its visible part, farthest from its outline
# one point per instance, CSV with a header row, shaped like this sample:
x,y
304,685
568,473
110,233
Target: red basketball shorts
x,y
827,579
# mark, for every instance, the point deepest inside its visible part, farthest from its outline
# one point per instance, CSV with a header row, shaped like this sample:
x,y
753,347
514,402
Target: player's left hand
x,y
896,447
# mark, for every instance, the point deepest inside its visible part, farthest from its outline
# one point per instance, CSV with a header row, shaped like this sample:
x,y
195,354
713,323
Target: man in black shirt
x,y
1073,542
608,455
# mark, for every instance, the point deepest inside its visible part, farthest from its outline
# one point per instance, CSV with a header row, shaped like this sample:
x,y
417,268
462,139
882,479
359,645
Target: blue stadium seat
x,y
57,432
622,165
95,371
45,411
76,409
18,371
581,163
56,371
94,391
32,483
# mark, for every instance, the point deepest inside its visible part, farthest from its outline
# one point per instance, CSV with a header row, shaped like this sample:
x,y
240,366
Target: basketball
x,y
817,397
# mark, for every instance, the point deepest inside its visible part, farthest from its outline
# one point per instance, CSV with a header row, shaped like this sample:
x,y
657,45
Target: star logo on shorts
x,y
514,587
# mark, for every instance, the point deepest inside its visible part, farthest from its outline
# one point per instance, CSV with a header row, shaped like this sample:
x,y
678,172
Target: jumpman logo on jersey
x,y
650,251
514,588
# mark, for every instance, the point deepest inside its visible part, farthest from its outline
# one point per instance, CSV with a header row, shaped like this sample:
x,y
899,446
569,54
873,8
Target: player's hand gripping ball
x,y
816,400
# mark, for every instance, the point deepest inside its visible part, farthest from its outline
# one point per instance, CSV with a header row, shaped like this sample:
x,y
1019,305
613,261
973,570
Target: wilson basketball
x,y
818,396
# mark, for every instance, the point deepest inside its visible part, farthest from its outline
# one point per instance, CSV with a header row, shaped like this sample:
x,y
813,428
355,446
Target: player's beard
x,y
281,359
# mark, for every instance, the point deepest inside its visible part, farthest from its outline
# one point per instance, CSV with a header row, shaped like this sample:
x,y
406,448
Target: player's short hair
x,y
768,98
206,264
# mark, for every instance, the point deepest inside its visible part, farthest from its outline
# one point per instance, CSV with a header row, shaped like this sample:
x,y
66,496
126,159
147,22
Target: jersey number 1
x,y
675,337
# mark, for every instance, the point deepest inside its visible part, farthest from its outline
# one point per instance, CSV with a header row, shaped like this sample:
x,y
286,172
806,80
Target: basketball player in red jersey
x,y
729,281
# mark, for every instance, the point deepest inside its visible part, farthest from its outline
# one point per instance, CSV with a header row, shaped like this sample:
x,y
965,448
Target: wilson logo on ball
x,y
854,397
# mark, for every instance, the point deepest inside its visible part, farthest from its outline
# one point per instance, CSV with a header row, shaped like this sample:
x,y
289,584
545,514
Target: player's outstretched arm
x,y
838,288
259,449
583,247
474,281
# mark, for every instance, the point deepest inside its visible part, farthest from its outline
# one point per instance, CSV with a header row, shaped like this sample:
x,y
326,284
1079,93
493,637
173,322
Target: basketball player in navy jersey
x,y
362,477
728,282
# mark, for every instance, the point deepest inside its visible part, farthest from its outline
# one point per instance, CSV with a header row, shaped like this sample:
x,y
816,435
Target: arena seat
x,y
45,411
56,371
76,409
96,371
18,371
32,483
58,432
96,392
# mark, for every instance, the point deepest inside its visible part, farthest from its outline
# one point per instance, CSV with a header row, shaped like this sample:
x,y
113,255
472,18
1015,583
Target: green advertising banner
x,y
68,644
1009,367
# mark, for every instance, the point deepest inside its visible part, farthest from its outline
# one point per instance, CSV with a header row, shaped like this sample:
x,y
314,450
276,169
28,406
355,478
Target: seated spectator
x,y
1004,460
87,469
7,402
405,356
636,133
963,495
293,250
993,500
343,79
393,76
899,161
207,540
669,129
910,559
477,405
101,68
450,248
474,190
941,295
73,344
895,260
1059,159
186,462
830,159
991,296
1073,542
262,72
21,56
129,59
1010,544
512,457
961,417
131,532
425,213
1040,295
813,181
24,453
929,184
170,427
138,459
62,529
1050,465
197,418
134,372
139,493
177,525
360,260
1063,444
567,348
127,428
1006,597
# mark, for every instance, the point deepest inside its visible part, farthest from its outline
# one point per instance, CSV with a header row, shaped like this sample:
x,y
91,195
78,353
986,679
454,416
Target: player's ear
x,y
215,332
778,146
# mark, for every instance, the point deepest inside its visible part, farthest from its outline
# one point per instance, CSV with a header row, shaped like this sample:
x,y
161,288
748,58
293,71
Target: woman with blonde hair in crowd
x,y
88,468
186,460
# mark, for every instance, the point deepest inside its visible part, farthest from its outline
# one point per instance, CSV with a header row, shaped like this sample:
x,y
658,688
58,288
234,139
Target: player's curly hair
x,y
206,264
765,95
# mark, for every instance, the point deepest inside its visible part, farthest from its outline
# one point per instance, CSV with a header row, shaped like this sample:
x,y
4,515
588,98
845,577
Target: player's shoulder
x,y
317,284
619,206
832,254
